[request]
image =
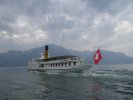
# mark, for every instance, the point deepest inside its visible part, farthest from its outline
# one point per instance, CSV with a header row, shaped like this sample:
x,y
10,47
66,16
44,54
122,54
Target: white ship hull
x,y
78,69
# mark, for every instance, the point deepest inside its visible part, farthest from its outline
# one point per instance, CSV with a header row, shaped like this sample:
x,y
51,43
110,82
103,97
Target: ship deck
x,y
57,58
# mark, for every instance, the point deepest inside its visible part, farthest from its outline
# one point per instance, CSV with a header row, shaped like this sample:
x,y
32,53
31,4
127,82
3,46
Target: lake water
x,y
100,83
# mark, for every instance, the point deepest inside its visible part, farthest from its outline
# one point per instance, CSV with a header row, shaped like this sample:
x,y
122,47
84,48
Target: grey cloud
x,y
39,7
59,23
5,27
112,7
76,18
105,30
101,5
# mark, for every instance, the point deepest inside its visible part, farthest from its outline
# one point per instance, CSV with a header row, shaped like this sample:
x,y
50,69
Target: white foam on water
x,y
50,72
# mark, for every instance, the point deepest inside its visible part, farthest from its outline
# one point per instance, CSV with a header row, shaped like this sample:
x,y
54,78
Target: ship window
x,y
69,63
61,64
65,64
41,65
56,64
74,63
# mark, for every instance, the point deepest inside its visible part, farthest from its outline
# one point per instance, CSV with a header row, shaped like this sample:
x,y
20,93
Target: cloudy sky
x,y
86,24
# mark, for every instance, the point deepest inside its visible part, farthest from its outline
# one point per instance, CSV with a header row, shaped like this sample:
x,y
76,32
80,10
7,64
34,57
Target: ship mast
x,y
62,42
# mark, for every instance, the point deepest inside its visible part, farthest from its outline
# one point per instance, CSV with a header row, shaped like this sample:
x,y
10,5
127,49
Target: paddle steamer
x,y
65,63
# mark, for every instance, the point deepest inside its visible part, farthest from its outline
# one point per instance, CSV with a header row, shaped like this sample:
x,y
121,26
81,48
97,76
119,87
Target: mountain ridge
x,y
18,58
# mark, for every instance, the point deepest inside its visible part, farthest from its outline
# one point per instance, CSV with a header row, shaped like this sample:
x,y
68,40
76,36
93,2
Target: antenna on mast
x,y
62,42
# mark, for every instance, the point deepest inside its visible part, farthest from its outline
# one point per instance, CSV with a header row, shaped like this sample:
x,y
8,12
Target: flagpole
x,y
99,47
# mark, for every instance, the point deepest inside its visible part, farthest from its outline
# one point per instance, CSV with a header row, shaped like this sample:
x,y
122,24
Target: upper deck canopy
x,y
57,58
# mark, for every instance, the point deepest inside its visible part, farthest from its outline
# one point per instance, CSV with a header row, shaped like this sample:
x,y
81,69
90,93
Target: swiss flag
x,y
97,57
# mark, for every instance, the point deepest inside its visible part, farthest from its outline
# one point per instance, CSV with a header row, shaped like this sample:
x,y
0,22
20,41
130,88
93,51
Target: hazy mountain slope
x,y
21,58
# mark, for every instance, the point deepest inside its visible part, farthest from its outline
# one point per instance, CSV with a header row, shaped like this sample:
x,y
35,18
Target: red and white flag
x,y
97,57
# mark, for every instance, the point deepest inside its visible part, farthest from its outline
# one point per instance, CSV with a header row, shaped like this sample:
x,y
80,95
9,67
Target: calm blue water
x,y
99,83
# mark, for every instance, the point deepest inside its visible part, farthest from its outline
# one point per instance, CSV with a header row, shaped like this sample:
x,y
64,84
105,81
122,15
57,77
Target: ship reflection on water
x,y
96,90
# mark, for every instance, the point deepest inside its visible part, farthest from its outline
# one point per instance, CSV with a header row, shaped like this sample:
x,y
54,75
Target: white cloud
x,y
124,27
